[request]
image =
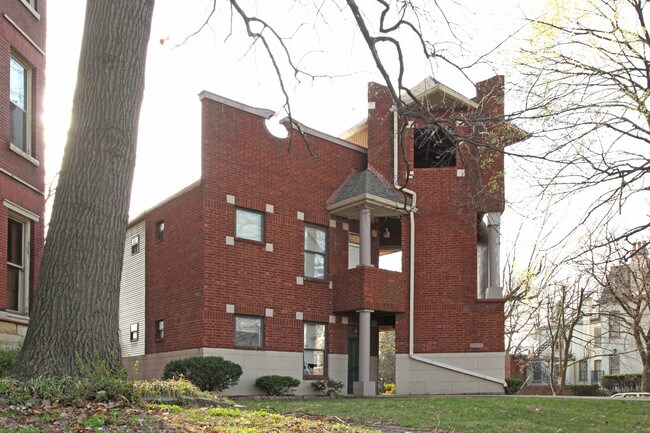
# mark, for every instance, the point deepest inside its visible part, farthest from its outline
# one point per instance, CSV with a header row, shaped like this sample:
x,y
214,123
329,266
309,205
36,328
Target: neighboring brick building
x,y
272,258
22,203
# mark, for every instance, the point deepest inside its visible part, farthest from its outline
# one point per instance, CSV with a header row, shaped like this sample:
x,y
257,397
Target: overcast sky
x,y
169,137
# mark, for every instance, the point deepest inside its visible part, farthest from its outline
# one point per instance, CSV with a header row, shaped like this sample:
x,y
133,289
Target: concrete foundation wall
x,y
254,363
11,334
415,377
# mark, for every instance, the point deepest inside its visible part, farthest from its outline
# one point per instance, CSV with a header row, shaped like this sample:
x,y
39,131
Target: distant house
x,y
603,343
22,202
275,258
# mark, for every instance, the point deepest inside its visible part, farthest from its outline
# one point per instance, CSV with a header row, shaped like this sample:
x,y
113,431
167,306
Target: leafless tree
x,y
564,310
585,96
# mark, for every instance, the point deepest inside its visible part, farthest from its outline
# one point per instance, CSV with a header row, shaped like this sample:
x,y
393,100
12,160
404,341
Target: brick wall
x,y
241,159
448,316
174,268
15,170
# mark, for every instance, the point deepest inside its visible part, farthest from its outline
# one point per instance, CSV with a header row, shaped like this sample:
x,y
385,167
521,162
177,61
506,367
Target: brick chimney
x,y
380,130
490,96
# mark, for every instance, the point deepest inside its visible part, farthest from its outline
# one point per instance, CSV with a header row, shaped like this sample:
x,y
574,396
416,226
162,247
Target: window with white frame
x,y
314,349
20,105
18,235
315,251
135,244
249,331
135,331
353,250
32,4
249,224
614,364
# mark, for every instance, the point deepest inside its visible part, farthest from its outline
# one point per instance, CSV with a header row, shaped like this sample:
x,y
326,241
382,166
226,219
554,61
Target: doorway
x,y
353,357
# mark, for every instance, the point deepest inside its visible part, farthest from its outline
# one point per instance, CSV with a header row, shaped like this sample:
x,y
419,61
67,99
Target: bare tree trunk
x,y
75,312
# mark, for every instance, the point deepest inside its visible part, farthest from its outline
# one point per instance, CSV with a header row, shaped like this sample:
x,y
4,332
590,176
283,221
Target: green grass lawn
x,y
479,414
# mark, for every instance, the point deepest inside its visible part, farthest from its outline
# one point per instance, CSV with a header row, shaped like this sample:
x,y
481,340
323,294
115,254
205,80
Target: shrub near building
x,y
210,373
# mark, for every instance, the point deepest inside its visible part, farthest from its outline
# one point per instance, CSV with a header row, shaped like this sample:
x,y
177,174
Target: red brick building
x,y
22,82
274,258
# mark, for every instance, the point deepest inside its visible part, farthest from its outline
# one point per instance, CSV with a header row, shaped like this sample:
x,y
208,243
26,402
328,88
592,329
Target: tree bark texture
x,y
75,311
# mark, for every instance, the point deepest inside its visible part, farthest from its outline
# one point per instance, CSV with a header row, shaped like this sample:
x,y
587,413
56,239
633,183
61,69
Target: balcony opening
x,y
433,147
482,260
390,244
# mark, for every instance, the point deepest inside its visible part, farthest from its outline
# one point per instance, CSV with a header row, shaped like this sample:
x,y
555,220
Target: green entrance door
x,y
353,357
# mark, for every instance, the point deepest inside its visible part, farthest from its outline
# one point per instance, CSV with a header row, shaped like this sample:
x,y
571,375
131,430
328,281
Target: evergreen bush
x,y
622,382
586,390
277,385
210,373
514,385
329,387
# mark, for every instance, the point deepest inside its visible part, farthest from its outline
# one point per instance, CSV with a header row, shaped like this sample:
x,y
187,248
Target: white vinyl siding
x,y
132,291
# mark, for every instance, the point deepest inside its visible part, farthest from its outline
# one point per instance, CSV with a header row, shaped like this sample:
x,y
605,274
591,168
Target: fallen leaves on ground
x,y
46,417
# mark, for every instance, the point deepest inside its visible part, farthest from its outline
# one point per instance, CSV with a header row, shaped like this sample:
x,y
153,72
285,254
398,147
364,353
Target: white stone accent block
x,y
269,312
269,248
460,172
371,105
332,319
269,208
230,240
230,199
346,227
344,320
331,285
230,308
298,315
300,216
333,224
300,281
374,233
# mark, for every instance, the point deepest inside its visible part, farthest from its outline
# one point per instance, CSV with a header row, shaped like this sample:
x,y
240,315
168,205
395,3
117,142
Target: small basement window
x,y
160,330
160,230
433,148
134,331
135,244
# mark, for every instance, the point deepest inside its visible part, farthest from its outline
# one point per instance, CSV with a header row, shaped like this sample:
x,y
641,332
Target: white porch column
x,y
365,237
364,387
494,265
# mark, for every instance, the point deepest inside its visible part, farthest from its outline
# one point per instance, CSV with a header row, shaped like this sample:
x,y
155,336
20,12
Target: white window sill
x,y
25,155
14,317
31,9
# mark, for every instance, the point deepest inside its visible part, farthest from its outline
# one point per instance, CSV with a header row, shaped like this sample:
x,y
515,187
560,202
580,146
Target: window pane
x,y
18,124
15,242
315,239
314,336
249,224
13,286
248,331
353,255
135,244
160,230
17,84
314,363
314,265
